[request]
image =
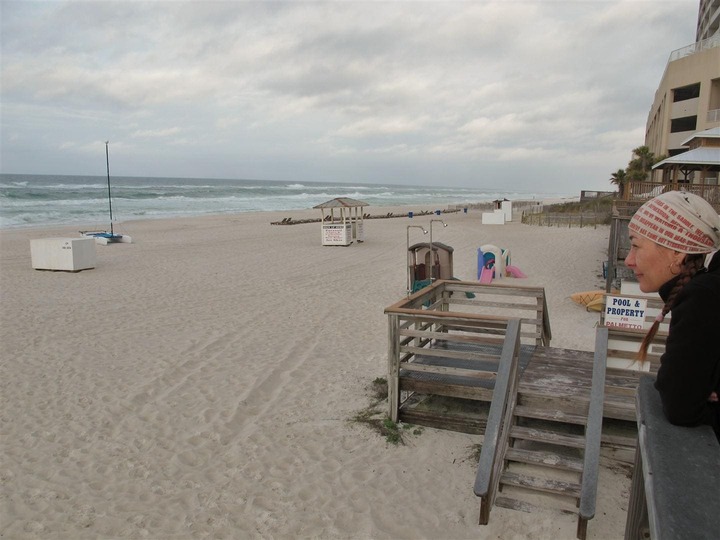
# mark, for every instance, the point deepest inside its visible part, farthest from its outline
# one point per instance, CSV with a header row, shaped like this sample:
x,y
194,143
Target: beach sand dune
x,y
201,383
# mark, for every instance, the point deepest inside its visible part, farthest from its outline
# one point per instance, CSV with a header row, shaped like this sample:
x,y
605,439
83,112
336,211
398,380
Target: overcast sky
x,y
547,96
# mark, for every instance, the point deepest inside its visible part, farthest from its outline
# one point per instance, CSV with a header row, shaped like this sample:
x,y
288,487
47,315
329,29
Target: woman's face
x,y
652,263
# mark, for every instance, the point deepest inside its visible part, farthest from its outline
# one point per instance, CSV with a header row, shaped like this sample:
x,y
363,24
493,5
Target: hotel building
x,y
687,100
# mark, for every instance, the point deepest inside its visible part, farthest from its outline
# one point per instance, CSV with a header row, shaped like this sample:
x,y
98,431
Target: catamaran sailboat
x,y
107,237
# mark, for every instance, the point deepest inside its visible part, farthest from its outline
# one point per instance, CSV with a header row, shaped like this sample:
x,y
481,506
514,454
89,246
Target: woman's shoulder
x,y
705,283
714,263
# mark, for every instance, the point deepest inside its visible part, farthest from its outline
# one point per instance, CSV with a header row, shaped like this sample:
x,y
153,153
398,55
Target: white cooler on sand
x,y
71,254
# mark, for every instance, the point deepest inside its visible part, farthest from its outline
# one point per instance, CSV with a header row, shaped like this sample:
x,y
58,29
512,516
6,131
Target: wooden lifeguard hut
x,y
344,221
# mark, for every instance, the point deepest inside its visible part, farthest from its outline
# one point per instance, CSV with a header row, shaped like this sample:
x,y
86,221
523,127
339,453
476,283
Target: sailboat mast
x,y
107,162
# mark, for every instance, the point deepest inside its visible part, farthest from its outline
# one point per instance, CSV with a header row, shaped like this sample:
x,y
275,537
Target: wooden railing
x,y
454,329
642,191
565,219
593,434
487,481
454,304
675,482
494,455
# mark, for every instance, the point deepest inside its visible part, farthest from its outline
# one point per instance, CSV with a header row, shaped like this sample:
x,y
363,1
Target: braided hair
x,y
690,266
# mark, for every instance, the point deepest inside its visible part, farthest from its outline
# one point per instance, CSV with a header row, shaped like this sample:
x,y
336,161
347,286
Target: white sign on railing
x,y
622,312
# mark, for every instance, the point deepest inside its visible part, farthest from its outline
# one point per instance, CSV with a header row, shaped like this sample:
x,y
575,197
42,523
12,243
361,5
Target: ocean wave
x,y
13,185
37,200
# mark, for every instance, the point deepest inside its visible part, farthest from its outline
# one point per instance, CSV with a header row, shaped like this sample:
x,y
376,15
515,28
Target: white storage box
x,y
506,207
496,217
71,254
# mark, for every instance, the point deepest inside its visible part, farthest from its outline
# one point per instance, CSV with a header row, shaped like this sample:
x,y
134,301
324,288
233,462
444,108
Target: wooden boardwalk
x,y
549,377
444,353
477,358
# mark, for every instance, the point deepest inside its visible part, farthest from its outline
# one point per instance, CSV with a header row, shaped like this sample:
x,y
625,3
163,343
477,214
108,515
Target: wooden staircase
x,y
539,455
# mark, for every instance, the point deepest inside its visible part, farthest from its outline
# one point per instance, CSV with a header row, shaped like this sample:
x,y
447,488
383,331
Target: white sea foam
x,y
29,200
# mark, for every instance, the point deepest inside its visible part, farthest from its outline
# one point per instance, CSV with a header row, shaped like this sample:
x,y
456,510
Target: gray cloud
x,y
527,94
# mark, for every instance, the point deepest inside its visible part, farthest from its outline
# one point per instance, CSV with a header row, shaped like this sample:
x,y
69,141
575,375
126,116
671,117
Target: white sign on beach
x,y
336,234
625,312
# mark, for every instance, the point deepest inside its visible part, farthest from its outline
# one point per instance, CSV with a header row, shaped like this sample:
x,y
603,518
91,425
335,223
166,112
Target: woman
x,y
672,239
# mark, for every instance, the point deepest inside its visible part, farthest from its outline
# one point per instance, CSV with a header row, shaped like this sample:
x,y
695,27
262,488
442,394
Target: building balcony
x,y
643,191
709,43
687,107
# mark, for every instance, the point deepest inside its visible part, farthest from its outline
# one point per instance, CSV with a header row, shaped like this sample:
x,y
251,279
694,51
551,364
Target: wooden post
x,y
393,367
636,526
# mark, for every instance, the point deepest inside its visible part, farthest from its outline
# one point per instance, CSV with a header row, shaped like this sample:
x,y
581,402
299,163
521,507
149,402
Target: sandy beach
x,y
202,383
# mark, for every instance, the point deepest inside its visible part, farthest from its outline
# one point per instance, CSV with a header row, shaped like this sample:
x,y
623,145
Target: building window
x,y
687,123
684,93
714,94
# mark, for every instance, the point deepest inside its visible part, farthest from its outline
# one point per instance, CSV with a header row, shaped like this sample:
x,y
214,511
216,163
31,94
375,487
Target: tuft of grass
x,y
374,416
392,432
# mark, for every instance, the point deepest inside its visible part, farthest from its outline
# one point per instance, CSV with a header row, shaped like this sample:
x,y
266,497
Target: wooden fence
x,y
569,220
643,191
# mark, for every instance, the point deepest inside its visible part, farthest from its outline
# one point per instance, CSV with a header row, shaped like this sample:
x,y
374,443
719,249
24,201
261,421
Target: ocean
x,y
47,200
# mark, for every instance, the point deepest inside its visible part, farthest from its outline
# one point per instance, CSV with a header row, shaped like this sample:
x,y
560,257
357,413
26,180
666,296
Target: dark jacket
x,y
690,367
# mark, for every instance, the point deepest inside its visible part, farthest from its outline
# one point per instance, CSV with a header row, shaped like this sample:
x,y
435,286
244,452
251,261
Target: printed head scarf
x,y
679,221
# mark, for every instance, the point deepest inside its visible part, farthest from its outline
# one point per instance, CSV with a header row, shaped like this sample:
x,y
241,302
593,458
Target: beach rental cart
x,y
342,221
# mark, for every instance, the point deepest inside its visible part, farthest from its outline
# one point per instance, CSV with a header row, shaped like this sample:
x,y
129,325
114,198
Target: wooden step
x,y
619,441
552,437
524,506
549,414
544,458
546,485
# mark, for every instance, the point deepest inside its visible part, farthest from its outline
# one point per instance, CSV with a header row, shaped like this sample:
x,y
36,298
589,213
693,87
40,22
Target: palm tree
x,y
641,165
619,179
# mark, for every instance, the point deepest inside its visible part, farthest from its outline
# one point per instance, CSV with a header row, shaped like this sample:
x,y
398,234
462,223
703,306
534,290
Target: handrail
x,y
593,433
705,44
431,304
643,191
676,476
546,331
498,423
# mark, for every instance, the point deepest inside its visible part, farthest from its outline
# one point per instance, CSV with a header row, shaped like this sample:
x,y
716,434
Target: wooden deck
x,y
477,358
443,363
548,375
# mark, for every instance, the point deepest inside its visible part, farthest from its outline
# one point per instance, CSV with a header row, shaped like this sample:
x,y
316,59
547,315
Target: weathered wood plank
x,y
544,458
473,337
552,437
446,353
462,423
524,506
478,393
550,413
546,485
593,432
393,368
454,371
